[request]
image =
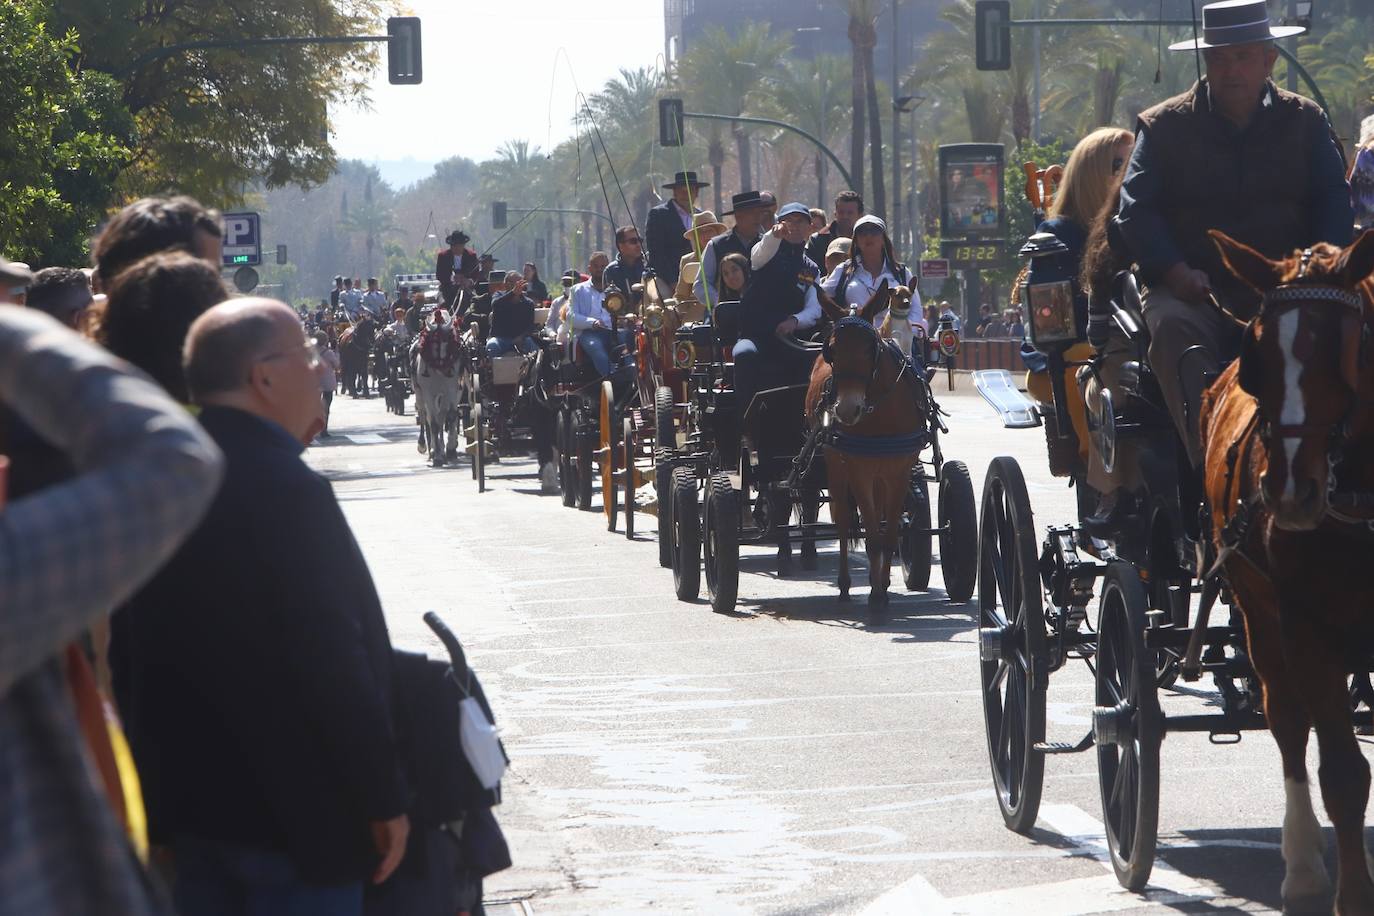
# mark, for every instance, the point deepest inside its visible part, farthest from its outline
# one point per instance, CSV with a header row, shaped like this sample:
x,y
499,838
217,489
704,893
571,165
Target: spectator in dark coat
x,y
668,221
254,669
849,206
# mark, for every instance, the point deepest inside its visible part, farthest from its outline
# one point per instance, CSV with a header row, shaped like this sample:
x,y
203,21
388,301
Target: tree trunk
x,y
820,180
715,153
1020,117
745,153
875,134
857,99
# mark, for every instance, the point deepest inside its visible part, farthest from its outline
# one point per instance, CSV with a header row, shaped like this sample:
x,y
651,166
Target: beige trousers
x,y
1176,327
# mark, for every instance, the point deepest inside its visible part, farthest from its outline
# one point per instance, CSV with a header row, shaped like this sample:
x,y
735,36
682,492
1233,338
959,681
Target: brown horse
x,y
1289,434
880,416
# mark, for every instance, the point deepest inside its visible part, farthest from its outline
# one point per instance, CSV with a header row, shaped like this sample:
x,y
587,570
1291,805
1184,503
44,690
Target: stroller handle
x,y
441,630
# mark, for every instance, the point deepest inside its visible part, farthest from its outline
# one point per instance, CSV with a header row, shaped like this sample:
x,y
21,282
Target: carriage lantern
x,y
615,302
1053,322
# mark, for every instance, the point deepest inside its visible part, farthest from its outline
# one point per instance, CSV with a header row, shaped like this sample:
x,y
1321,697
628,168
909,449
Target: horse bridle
x,y
853,320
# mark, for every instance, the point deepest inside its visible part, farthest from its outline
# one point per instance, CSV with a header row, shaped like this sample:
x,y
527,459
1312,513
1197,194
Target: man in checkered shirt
x,y
68,555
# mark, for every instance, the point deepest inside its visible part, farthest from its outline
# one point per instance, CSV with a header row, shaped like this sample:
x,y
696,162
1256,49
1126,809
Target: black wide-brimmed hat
x,y
689,179
747,200
458,236
1236,22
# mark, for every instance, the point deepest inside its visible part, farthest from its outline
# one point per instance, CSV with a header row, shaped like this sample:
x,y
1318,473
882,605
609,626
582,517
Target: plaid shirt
x,y
68,555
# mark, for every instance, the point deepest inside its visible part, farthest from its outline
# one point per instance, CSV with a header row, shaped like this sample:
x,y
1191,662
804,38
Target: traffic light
x,y
281,254
992,34
498,214
670,122
403,50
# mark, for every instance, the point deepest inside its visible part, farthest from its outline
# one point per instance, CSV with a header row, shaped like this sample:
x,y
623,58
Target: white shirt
x,y
375,301
398,327
555,317
862,285
761,254
588,304
351,300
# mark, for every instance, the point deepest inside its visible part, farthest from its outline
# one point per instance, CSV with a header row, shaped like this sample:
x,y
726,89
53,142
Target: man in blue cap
x,y
780,299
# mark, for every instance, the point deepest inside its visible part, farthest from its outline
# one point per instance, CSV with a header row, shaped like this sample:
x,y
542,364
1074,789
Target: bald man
x,y
254,671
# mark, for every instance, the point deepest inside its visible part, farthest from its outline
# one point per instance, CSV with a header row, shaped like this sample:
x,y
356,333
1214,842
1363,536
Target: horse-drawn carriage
x,y
759,473
1175,533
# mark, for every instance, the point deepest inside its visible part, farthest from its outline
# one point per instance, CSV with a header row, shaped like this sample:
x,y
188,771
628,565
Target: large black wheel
x,y
1173,596
1011,644
665,433
562,434
608,433
586,469
474,408
663,489
686,525
479,454
1127,727
958,531
722,543
914,545
627,442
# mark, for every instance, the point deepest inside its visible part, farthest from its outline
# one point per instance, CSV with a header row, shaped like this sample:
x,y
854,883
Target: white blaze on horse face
x,y
1305,873
1294,410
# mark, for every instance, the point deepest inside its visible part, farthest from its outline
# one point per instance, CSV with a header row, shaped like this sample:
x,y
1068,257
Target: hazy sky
x,y
488,71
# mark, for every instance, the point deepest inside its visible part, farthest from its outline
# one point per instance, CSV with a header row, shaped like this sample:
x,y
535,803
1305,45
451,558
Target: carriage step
x,y
1059,747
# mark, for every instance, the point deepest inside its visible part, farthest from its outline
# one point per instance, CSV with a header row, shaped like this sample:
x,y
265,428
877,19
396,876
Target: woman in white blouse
x,y
870,262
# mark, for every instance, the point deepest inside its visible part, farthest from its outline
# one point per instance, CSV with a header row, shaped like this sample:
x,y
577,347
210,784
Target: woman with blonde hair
x,y
1090,176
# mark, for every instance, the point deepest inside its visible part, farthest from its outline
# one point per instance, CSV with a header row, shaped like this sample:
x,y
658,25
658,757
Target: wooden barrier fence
x,y
990,354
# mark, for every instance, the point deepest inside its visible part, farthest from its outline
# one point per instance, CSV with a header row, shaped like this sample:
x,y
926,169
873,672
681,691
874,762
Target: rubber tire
x,y
686,537
586,468
914,545
627,440
1007,541
665,432
721,543
958,546
479,458
663,490
566,486
1126,673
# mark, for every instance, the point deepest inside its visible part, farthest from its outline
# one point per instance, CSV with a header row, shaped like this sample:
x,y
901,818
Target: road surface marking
x,y
365,439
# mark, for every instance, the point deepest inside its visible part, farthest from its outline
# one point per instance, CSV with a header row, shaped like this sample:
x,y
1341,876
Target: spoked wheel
x,y
474,409
1172,596
686,535
606,455
586,473
1127,727
665,434
958,531
1011,644
563,436
914,545
627,439
479,454
722,543
663,489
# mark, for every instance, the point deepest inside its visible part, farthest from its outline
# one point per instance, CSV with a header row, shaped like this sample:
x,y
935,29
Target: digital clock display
x,y
973,255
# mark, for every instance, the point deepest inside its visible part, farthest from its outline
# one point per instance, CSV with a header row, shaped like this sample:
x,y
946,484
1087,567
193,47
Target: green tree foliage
x,y
63,138
212,122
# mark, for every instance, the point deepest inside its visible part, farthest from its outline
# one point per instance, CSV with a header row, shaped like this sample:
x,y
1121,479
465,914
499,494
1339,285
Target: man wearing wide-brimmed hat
x,y
667,222
748,208
1234,153
456,266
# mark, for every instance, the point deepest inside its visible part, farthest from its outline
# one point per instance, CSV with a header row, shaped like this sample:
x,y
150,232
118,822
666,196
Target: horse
x,y
1289,435
871,390
436,385
354,351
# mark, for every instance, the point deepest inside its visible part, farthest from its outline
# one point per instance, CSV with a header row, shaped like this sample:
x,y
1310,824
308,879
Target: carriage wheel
x,y
665,433
479,454
628,441
721,543
1127,727
663,489
586,473
959,545
914,545
566,479
606,436
1011,644
1176,607
686,524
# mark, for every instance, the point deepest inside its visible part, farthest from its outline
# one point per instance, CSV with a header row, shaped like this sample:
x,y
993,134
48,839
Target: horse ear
x,y
1257,271
1357,262
877,302
828,305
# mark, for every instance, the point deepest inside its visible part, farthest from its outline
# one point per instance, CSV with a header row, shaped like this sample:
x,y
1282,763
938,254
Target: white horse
x,y
437,389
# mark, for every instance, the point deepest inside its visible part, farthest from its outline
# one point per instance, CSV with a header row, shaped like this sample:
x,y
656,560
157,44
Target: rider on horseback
x,y
456,267
1234,153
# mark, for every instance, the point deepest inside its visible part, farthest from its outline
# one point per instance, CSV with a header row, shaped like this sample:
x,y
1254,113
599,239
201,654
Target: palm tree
x,y
810,94
722,74
372,219
626,111
863,36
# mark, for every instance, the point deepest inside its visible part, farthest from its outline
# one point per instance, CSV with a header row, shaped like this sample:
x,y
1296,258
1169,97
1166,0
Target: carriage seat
x,y
725,320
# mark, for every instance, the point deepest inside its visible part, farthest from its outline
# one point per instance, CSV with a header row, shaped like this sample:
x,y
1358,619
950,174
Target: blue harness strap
x,y
880,446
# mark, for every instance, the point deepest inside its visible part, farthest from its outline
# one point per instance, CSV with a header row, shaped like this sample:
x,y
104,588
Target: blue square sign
x,y
242,240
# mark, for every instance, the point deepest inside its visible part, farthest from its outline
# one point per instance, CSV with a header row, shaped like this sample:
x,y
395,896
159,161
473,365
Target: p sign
x,y
242,240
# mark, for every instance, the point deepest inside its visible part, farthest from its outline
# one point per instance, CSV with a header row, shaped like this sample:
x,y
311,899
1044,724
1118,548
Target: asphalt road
x,y
789,758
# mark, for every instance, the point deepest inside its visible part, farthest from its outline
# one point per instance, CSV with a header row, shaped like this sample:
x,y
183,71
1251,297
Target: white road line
x,y
365,439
